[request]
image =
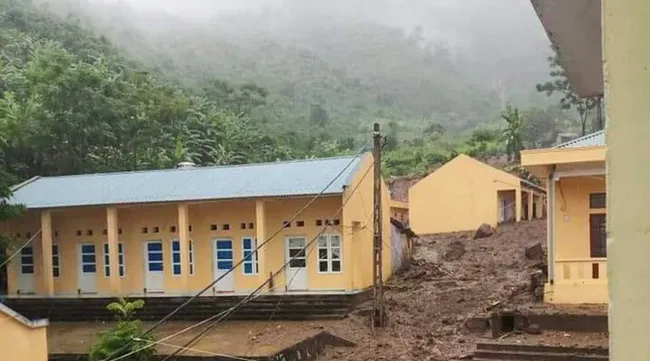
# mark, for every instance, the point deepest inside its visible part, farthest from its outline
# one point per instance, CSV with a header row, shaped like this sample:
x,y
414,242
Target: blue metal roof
x,y
291,178
589,140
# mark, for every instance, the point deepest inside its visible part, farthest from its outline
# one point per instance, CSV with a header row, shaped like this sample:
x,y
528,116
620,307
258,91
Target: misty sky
x,y
447,19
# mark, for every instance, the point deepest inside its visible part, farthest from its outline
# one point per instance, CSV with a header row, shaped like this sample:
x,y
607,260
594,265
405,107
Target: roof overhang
x,y
538,161
574,28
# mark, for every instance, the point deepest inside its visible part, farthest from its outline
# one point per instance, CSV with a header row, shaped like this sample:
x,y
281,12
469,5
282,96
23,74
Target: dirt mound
x,y
429,303
455,251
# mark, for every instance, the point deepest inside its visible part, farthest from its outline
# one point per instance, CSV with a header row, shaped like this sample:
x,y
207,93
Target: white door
x,y
223,261
503,214
86,276
296,271
26,270
153,265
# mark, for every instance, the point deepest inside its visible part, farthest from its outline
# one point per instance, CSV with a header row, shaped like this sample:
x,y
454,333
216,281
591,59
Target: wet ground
x,y
229,338
452,278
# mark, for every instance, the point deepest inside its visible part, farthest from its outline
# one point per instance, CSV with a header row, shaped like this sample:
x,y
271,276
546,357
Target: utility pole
x,y
378,315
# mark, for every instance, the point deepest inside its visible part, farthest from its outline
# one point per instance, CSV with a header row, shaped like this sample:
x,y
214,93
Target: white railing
x,y
581,269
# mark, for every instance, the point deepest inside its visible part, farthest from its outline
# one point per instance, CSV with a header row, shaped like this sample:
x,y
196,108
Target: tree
x,y
480,140
540,129
511,135
125,337
559,83
7,212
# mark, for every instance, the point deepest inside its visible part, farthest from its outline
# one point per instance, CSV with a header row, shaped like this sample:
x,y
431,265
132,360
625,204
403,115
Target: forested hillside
x,y
70,104
90,85
319,71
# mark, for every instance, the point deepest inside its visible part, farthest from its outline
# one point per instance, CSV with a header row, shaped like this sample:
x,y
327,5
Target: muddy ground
x,y
241,338
453,277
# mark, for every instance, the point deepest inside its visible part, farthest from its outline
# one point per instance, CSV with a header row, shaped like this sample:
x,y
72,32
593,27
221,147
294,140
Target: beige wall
x,y
627,90
20,342
574,281
572,215
132,220
459,196
354,226
358,223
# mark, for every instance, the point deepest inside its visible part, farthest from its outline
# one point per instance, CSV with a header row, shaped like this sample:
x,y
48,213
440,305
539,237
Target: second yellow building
x,y
465,193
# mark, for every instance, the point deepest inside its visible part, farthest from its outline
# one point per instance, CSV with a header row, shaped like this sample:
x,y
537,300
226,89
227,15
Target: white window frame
x,y
191,256
328,247
254,262
120,265
56,255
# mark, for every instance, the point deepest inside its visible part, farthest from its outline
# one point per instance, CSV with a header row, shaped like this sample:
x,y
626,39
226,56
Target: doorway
x,y
296,271
26,270
223,262
154,266
87,272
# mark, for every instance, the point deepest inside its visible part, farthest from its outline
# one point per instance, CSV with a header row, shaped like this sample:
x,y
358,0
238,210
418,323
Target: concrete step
x,y
281,307
506,352
536,356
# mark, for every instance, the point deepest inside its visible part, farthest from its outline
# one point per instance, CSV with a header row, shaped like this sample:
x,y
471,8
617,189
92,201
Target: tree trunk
x,y
599,114
583,121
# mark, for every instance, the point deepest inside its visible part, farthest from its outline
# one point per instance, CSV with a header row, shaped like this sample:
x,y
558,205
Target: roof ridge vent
x,y
185,165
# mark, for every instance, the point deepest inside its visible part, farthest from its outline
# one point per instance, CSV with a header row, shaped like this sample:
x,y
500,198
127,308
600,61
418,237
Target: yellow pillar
x,y
627,90
113,253
46,247
184,242
517,205
531,204
260,235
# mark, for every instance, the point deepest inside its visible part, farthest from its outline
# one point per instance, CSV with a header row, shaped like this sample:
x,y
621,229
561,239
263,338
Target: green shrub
x,y
125,337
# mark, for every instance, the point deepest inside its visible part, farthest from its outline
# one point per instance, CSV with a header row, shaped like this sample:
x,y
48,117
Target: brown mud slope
x,y
452,277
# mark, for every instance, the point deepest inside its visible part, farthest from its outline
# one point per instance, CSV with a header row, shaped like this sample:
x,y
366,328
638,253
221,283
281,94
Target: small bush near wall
x,y
126,337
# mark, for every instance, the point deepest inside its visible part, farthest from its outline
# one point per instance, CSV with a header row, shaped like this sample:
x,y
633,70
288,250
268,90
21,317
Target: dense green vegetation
x,y
71,104
73,101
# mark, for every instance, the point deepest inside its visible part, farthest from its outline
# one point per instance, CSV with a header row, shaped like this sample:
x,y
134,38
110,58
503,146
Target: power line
x,y
20,249
268,239
178,333
245,300
232,357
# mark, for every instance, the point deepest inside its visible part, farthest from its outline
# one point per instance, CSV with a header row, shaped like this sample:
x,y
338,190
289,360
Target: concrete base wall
x,y
576,292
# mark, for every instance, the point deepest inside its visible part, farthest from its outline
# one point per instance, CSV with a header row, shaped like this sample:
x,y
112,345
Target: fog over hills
x,y
416,62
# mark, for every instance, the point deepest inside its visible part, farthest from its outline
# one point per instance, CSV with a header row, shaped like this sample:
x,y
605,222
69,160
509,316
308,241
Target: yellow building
x,y
22,339
465,193
603,46
174,231
577,245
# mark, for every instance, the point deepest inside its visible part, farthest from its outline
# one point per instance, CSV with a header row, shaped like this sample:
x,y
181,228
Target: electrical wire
x,y
20,249
231,357
186,329
240,262
244,301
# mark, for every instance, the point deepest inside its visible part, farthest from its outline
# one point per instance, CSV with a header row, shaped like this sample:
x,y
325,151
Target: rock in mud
x,y
455,251
484,231
535,252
